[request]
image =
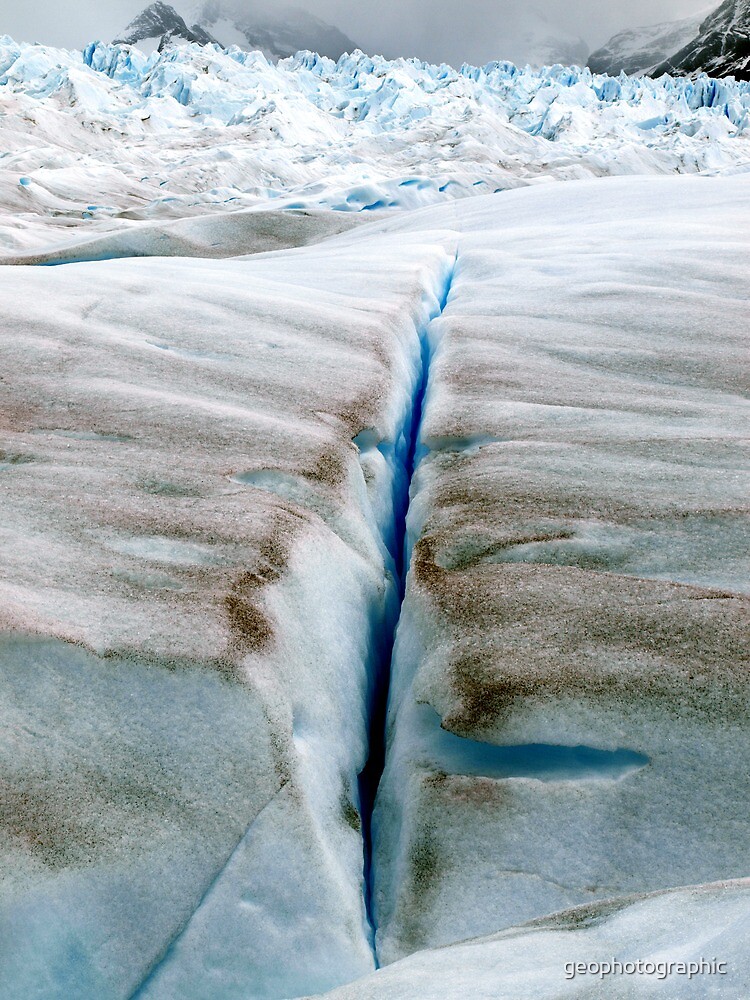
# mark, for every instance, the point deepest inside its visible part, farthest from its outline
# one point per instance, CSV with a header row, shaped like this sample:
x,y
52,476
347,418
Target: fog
x,y
473,31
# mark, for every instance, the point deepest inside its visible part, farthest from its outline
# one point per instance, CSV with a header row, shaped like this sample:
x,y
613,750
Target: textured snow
x,y
220,235
186,531
581,564
100,140
529,963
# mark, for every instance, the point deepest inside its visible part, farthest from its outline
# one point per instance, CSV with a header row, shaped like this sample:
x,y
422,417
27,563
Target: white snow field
x,y
100,141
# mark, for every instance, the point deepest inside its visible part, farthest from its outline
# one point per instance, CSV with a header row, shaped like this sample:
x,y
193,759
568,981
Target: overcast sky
x,y
471,31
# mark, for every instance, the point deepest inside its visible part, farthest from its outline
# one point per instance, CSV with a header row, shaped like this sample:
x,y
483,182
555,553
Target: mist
x,y
436,30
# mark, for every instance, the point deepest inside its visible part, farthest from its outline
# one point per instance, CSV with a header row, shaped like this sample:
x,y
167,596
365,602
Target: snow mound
x,y
210,236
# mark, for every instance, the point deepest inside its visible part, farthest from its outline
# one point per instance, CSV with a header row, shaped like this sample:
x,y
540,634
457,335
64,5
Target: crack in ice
x,y
373,770
138,992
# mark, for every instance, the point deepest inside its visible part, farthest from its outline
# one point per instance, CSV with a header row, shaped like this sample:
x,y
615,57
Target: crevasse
x,y
406,455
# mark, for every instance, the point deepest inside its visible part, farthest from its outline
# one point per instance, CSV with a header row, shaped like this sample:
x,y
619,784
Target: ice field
x,y
102,139
374,585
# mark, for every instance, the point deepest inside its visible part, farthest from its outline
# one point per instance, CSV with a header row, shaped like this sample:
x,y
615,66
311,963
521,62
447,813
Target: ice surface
x,y
203,470
691,925
580,568
102,140
188,649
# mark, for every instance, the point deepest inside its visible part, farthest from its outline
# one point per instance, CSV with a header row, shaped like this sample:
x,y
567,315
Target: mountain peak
x,y
715,41
278,33
722,46
642,49
160,22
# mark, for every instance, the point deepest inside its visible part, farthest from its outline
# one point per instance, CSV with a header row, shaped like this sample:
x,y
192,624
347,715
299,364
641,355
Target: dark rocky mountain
x,y
160,23
721,47
277,33
641,50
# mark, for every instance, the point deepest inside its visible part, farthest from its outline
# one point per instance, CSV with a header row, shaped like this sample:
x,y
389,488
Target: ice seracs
x,y
103,140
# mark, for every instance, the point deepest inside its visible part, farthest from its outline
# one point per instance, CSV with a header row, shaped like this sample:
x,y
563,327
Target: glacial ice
x,y
579,570
101,140
205,467
184,718
706,923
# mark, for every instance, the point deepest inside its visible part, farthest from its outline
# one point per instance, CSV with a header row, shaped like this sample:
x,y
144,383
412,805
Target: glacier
x,y
374,568
102,140
525,963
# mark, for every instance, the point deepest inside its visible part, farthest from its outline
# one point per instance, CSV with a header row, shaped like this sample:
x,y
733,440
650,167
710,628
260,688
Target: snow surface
x,y
227,234
581,563
100,140
529,963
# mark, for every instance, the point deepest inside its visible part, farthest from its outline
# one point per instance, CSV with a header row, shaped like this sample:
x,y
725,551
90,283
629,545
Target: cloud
x,y
472,31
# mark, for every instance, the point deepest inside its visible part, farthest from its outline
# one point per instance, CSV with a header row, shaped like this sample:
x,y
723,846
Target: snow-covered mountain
x,y
159,24
721,47
528,36
277,33
641,50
